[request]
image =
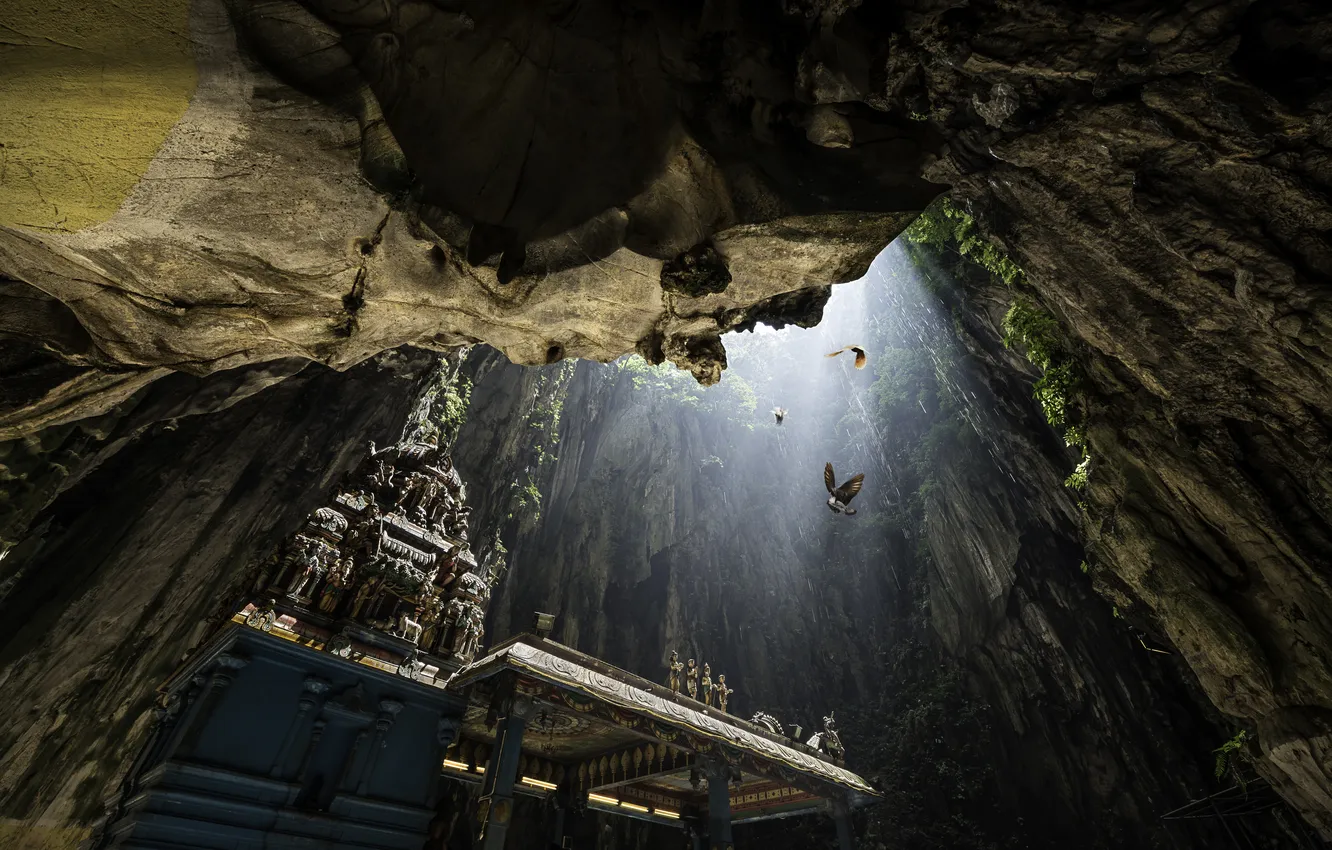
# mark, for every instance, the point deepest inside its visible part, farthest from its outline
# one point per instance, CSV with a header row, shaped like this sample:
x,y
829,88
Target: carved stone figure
x,y
691,679
338,577
676,668
830,742
723,692
407,628
361,536
470,630
363,594
454,612
309,569
382,475
707,684
431,610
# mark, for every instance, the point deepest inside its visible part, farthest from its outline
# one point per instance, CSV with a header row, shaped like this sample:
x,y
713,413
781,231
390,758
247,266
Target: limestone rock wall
x,y
146,536
1166,189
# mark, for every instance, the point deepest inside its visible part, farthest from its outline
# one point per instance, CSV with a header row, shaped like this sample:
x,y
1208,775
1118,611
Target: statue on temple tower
x,y
419,496
430,612
362,534
338,577
723,692
830,742
454,612
308,570
675,668
363,595
691,679
707,684
408,628
471,628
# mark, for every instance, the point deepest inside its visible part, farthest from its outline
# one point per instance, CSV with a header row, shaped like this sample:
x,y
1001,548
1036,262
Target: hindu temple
x,y
351,685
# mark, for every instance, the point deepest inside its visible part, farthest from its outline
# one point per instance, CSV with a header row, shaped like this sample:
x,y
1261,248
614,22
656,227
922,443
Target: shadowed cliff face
x,y
161,514
973,667
1160,171
1177,225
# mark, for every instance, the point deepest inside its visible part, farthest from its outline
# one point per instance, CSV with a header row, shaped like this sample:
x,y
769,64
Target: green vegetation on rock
x,y
734,398
442,408
947,227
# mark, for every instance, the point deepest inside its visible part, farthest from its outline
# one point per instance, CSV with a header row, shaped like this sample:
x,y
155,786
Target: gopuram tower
x,y
317,714
384,573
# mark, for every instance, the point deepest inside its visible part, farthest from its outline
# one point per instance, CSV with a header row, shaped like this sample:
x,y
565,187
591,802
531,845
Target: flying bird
x,y
840,497
780,413
861,359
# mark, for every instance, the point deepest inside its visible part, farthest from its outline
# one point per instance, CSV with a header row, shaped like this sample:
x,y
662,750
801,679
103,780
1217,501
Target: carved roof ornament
x,y
385,565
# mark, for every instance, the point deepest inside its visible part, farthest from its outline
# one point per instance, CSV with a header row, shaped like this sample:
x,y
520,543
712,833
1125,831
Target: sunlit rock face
x,y
1164,181
347,178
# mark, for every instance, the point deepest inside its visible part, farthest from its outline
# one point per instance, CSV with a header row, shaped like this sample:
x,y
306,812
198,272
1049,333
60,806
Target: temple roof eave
x,y
520,655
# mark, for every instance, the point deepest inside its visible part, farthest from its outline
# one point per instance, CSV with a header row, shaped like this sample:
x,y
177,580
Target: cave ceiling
x,y
191,186
329,179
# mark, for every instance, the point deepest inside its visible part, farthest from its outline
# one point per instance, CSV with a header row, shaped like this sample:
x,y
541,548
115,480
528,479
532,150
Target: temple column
x,y
388,713
446,732
496,805
719,804
204,703
563,797
846,836
311,692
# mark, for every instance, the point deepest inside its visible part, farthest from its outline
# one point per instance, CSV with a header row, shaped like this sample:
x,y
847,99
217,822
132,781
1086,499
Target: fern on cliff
x,y
948,227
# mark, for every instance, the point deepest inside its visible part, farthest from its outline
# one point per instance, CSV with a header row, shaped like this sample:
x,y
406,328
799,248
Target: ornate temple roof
x,y
612,712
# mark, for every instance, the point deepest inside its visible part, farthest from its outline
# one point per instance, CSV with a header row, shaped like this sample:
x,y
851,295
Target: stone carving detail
x,y
767,721
389,552
828,741
262,617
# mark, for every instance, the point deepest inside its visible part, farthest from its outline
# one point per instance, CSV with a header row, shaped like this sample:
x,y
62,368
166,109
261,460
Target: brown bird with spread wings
x,y
840,497
861,358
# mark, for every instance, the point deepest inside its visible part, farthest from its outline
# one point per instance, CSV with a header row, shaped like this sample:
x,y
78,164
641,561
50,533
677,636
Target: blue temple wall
x,y
243,769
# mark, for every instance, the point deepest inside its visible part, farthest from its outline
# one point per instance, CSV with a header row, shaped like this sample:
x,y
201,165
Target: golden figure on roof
x,y
707,684
723,692
676,668
691,679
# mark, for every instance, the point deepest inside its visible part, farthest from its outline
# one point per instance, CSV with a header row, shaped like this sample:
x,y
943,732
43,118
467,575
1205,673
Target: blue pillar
x,y
388,713
312,693
496,809
846,836
719,804
446,732
563,797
